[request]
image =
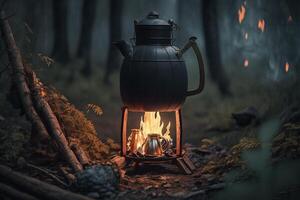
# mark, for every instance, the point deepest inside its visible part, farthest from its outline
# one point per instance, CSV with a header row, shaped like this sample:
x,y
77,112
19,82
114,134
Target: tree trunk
x,y
114,56
212,45
60,28
294,7
36,187
85,42
32,11
19,79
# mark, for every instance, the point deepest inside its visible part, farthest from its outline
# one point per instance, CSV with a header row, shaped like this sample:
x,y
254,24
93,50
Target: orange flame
x,y
287,66
246,63
151,123
261,25
241,14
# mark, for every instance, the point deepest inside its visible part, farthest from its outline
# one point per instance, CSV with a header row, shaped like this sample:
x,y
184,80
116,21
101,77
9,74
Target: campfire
x,y
151,128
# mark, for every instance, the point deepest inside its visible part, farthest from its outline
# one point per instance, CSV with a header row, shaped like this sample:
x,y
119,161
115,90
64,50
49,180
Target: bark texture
x,y
52,124
37,188
19,79
14,193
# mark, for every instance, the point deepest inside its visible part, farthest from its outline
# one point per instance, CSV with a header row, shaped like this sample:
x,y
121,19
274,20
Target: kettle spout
x,y
124,48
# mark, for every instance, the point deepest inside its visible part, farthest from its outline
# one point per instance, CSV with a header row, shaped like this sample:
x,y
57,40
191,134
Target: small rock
x,y
147,187
207,141
93,195
98,178
245,116
217,186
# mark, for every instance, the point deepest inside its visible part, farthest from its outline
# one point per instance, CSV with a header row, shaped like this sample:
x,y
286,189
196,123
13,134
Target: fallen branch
x,y
36,187
42,105
51,122
80,154
19,79
47,173
68,176
14,193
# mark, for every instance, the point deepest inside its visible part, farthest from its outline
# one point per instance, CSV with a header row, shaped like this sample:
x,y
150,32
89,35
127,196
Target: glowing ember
x,y
246,36
246,63
286,67
241,14
261,25
150,123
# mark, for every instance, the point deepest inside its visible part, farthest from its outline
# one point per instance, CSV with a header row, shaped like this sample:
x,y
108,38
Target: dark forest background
x,y
69,44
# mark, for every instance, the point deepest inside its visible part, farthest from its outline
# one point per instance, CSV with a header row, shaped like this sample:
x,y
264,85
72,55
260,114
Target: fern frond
x,y
95,109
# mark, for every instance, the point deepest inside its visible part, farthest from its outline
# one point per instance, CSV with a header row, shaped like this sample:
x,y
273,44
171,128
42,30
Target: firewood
x,y
41,104
52,123
68,176
14,193
80,154
36,187
19,79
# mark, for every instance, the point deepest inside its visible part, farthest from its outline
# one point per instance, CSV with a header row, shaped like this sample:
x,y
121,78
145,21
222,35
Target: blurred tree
x,y
294,7
32,11
85,41
60,49
212,45
114,56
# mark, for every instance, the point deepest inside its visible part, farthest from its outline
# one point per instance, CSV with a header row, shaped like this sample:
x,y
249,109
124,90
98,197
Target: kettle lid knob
x,y
153,15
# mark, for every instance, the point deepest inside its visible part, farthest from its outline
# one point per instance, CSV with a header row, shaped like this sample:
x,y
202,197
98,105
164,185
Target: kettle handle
x,y
192,43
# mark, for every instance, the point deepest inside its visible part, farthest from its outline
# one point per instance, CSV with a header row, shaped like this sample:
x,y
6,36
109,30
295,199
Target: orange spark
x,y
246,63
287,66
261,25
241,14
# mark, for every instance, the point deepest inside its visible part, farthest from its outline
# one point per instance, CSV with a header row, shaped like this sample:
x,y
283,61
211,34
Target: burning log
x,y
19,79
37,188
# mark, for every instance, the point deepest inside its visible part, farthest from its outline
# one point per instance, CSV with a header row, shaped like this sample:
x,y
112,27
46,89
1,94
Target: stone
x,y
94,195
207,141
245,116
101,179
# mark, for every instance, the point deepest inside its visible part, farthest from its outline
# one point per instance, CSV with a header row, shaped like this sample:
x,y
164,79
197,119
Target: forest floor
x,y
234,157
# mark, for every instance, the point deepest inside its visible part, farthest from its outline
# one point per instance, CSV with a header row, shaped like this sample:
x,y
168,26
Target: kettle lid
x,y
152,19
153,31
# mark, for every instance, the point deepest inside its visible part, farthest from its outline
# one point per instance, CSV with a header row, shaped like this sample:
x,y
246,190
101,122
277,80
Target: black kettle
x,y
153,74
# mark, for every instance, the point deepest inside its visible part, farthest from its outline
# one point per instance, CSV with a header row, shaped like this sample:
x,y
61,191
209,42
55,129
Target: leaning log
x,y
19,79
37,188
13,193
80,154
51,121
